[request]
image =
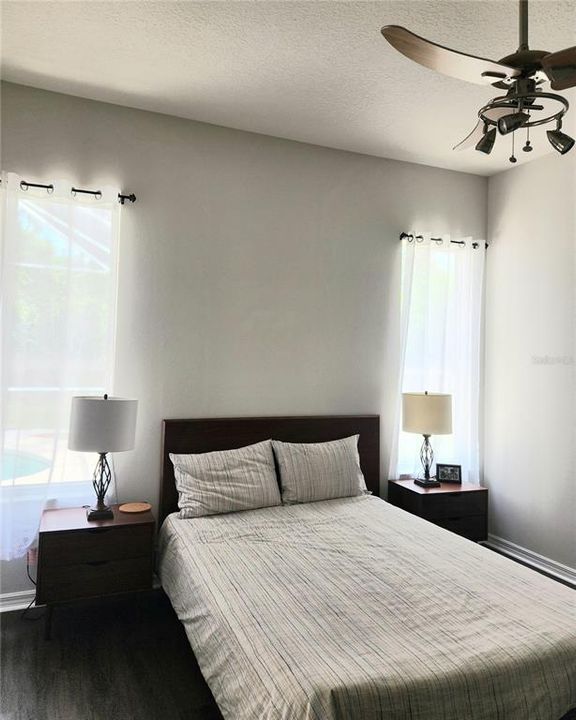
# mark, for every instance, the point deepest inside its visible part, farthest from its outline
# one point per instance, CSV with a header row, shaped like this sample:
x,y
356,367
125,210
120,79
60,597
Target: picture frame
x,y
449,473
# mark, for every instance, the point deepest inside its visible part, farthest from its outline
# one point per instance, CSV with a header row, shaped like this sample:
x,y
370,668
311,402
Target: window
x,y
58,289
442,308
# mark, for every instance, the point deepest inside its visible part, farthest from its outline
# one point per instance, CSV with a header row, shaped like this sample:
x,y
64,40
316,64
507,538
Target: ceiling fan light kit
x,y
521,74
511,123
561,142
486,142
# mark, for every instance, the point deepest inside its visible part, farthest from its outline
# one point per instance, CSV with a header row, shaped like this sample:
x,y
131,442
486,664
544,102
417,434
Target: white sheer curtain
x,y
442,295
58,272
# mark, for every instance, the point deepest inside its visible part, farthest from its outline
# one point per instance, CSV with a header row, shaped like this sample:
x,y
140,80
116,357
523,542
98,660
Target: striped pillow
x,y
319,471
226,481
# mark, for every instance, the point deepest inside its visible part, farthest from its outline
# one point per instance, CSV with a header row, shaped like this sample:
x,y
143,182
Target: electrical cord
x,y
28,569
24,616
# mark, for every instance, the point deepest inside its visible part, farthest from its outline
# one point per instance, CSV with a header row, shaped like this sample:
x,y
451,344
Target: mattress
x,y
353,608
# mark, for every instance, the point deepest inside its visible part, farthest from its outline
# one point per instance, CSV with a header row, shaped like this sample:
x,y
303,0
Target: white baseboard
x,y
533,559
16,600
21,600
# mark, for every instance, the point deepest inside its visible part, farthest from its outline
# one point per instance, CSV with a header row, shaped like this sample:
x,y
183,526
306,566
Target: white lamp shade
x,y
427,413
102,425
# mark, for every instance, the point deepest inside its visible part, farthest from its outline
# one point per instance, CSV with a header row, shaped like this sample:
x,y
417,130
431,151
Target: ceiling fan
x,y
521,75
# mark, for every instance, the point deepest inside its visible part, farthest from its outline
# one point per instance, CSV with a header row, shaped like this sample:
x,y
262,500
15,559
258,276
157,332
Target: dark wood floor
x,y
118,659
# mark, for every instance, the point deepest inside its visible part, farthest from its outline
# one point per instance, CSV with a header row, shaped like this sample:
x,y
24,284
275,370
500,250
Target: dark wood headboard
x,y
206,435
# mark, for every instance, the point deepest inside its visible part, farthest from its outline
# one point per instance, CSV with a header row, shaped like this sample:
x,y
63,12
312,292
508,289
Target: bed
x,y
352,608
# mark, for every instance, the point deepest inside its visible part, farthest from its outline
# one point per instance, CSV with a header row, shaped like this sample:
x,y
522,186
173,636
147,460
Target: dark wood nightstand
x,y
79,559
463,509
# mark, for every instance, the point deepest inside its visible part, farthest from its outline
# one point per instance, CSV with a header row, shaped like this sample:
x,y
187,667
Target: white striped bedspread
x,y
353,608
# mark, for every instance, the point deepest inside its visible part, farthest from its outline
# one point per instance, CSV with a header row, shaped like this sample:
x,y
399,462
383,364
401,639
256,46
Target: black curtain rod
x,y
420,238
122,198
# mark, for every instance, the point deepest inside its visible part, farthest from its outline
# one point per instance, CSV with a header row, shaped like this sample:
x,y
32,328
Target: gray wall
x,y
530,371
257,275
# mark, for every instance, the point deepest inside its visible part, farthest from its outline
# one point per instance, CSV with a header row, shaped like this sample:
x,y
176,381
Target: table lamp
x,y
427,414
102,424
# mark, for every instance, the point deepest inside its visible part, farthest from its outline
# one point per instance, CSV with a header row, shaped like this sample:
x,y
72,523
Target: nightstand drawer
x,y
459,504
95,544
471,527
89,579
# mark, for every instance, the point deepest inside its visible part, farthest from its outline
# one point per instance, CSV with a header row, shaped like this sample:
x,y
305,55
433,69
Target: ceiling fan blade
x,y
561,68
444,60
471,140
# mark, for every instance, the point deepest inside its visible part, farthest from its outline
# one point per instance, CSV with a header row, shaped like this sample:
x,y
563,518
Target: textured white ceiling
x,y
317,72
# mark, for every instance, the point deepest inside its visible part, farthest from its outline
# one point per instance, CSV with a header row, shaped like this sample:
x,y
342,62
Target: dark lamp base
x,y
427,483
99,513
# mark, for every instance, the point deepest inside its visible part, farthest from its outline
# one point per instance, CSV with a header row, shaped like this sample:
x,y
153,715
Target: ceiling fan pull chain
x,y
512,158
528,147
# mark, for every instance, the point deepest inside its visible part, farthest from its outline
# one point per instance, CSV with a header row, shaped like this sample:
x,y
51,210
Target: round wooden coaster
x,y
135,507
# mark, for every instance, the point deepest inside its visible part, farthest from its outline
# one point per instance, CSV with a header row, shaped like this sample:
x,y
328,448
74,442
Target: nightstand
x,y
463,509
79,559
